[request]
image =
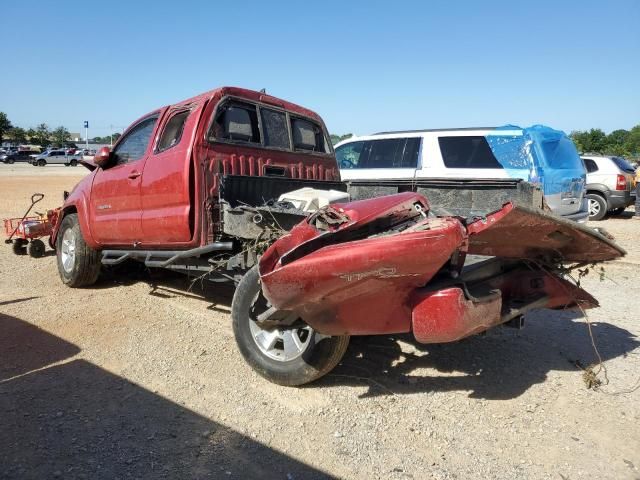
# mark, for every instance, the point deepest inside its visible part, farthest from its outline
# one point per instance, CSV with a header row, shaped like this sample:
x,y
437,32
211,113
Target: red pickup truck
x,y
197,187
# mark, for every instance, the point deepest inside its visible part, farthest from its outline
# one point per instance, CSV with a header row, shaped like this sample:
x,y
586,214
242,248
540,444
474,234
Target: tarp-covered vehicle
x,y
387,265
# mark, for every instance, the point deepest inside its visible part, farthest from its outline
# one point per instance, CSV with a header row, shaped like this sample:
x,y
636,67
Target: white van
x,y
456,168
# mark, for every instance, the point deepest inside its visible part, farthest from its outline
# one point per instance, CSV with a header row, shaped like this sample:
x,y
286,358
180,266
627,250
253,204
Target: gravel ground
x,y
139,377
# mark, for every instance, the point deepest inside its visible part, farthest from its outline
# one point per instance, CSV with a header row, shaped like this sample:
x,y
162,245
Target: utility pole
x,y
86,134
111,135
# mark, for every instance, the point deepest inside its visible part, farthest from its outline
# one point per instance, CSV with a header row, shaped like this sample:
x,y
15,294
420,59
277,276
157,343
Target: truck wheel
x,y
41,163
287,356
36,248
78,264
597,206
19,245
73,163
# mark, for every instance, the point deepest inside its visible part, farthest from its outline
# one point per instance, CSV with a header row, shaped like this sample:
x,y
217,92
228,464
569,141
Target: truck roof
x,y
249,95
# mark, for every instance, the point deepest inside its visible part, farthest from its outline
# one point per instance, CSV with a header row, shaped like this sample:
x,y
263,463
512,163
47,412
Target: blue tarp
x,y
537,154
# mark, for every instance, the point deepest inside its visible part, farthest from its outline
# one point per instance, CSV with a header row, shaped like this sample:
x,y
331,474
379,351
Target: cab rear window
x,y
236,122
244,122
308,136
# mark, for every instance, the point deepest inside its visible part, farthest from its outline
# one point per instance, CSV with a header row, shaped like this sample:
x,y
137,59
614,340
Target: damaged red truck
x,y
198,187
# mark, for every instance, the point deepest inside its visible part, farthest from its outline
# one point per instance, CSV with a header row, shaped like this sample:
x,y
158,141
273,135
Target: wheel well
x,y
597,192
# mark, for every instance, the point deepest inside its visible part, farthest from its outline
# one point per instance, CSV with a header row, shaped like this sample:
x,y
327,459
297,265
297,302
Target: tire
x,y
319,355
41,163
617,211
36,248
78,264
597,206
18,246
73,163
10,162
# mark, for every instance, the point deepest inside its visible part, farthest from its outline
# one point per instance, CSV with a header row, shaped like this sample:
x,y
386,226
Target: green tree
x,y
594,140
337,138
17,135
5,125
632,141
60,135
32,134
42,135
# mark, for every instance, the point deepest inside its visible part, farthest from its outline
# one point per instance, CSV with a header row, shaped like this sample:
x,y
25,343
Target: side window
x,y
274,128
384,152
307,136
590,165
348,155
134,145
236,122
410,153
467,152
172,132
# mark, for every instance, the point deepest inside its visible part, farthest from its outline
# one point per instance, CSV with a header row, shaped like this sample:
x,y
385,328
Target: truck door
x,y
165,186
115,195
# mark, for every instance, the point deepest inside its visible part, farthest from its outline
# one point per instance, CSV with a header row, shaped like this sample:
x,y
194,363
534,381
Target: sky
x,y
363,66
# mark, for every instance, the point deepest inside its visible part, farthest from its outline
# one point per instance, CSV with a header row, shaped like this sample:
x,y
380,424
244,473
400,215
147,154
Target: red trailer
x,y
24,233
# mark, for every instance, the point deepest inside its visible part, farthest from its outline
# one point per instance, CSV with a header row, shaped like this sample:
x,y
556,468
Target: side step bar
x,y
161,258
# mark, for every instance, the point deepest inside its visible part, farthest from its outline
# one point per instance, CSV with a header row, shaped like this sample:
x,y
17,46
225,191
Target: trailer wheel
x,y
287,356
78,264
19,245
36,248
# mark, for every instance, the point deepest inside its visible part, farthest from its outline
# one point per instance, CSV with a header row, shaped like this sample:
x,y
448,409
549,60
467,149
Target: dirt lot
x,y
140,378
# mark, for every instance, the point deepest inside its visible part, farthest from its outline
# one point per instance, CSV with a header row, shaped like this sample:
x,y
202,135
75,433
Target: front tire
x,y
597,207
41,163
288,356
78,264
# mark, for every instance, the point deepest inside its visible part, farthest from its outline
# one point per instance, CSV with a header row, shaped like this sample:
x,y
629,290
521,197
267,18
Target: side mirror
x,y
103,157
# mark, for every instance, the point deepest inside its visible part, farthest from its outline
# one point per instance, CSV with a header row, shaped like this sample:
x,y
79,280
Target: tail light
x,y
621,182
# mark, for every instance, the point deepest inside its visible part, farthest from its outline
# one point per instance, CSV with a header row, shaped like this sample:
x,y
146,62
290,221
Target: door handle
x,y
133,175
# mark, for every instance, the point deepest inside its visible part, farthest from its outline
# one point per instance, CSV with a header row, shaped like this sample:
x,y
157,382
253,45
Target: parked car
x,y
460,169
55,157
16,156
610,185
206,186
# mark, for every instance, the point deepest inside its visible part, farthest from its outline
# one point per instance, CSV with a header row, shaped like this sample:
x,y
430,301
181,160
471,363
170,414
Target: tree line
x,y
621,142
41,135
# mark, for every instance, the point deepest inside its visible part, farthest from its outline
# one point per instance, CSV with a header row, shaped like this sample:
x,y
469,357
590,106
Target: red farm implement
x,y
24,233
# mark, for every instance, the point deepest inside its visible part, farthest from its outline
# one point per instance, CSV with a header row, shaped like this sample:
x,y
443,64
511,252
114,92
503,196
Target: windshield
x,y
623,164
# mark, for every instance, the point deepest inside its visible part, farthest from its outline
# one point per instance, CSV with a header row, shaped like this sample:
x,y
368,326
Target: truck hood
x,y
521,232
512,232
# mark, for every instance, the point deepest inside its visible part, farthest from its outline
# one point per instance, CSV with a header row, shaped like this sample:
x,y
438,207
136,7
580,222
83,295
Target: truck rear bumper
x,y
454,313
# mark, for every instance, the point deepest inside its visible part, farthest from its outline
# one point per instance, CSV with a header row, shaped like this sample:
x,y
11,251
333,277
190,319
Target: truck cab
x,y
178,171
